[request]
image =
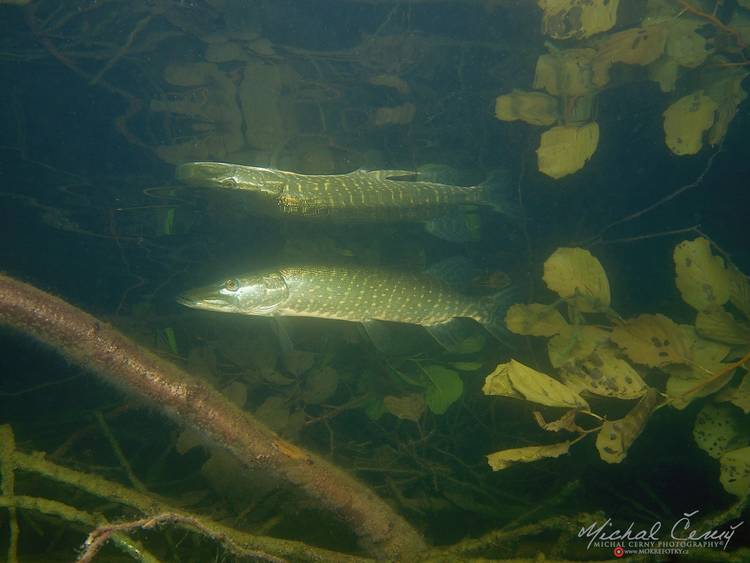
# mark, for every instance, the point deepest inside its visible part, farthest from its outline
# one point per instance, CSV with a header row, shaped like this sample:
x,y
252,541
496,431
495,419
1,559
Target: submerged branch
x,y
112,356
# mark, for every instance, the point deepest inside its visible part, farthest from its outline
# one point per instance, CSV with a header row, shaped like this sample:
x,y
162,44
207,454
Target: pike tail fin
x,y
496,306
499,194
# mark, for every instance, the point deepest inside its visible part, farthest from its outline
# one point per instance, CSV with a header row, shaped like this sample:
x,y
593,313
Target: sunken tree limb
x,y
109,354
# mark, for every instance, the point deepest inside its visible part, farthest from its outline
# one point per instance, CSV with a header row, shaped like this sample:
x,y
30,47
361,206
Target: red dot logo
x,y
618,551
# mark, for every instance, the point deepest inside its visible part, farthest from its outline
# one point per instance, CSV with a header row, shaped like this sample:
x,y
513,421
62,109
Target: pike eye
x,y
231,285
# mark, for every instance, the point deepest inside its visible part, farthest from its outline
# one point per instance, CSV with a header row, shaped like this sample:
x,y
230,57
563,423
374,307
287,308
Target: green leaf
x,y
467,366
470,345
445,388
374,408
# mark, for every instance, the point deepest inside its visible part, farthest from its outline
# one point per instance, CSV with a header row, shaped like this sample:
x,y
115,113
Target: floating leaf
x,y
534,319
604,374
320,384
513,379
739,291
735,472
739,396
566,19
715,428
408,407
574,274
565,422
565,149
699,377
574,343
615,437
635,46
725,88
685,45
654,340
686,120
665,72
717,324
702,279
535,108
445,388
506,458
565,73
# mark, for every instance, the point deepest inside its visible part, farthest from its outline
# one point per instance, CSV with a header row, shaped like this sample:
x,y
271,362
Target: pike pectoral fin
x,y
281,330
460,226
379,333
450,335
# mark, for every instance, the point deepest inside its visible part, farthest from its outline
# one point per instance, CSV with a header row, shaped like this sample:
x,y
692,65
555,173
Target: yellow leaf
x,y
534,319
686,120
604,374
725,88
574,343
735,471
717,324
565,19
635,46
535,108
654,340
498,383
566,148
513,379
665,72
739,291
715,428
615,437
565,422
685,45
506,458
698,377
574,274
565,73
739,396
702,279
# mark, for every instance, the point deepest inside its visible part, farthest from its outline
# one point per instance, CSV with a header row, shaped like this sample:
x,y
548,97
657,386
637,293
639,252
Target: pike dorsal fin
x,y
390,174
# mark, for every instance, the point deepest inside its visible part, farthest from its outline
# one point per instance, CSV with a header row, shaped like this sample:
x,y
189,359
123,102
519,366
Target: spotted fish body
x,y
380,195
343,293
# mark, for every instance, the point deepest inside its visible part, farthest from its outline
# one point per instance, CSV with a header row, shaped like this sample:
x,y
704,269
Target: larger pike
x,y
347,293
359,196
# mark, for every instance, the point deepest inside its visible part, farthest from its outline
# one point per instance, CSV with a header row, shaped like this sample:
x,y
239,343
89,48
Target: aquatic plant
x,y
670,41
628,359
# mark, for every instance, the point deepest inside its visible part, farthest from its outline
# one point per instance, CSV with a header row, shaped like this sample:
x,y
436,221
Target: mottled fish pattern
x,y
359,294
380,195
343,293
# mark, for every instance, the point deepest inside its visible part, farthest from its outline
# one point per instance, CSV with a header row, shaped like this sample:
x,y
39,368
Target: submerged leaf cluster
x,y
650,359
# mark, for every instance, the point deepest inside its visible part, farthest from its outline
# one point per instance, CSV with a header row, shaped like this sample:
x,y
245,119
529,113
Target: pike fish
x,y
356,294
359,196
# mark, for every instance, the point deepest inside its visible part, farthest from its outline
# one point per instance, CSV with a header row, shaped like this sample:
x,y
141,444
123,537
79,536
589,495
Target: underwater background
x,y
100,100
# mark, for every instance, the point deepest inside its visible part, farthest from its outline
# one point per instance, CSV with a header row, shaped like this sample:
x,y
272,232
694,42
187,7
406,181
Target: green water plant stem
x,y
73,515
238,542
106,352
7,487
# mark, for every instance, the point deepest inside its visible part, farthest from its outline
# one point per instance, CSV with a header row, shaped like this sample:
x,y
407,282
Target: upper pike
x,y
230,176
